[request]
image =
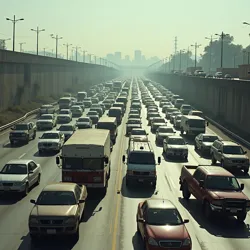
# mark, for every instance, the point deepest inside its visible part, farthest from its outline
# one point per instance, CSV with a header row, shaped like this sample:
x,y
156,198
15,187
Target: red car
x,y
161,227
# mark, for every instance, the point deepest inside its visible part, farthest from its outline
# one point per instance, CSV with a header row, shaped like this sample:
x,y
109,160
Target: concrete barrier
x,y
24,77
226,101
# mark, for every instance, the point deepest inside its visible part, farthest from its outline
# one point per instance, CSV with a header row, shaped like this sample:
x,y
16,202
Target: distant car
x,y
19,176
84,122
131,124
93,115
67,130
81,104
173,115
228,76
185,109
58,210
138,134
47,109
196,113
156,123
46,121
51,141
209,76
76,111
161,226
177,121
134,111
64,116
203,142
136,116
200,73
218,75
162,133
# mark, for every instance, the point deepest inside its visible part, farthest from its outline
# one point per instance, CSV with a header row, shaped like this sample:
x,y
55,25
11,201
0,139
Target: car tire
x,y
77,233
246,170
195,146
182,131
241,217
11,143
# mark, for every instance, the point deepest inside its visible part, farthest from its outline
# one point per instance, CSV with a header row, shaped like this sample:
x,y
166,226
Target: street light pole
x,y
56,38
37,36
222,36
67,49
76,48
44,51
14,21
195,52
21,46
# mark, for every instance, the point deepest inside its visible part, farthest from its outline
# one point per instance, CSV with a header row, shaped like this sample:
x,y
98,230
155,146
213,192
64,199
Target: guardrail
x,y
9,125
240,139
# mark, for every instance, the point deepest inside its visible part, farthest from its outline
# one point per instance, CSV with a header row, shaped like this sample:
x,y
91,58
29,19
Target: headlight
x,y
152,241
186,242
33,220
217,203
70,220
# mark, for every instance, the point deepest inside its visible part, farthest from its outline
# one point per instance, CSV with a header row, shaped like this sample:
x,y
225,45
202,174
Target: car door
x,y
200,191
78,194
36,170
30,130
31,173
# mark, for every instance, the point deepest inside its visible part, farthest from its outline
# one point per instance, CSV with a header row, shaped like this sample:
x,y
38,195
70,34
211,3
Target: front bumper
x,y
13,188
175,153
49,148
19,138
44,126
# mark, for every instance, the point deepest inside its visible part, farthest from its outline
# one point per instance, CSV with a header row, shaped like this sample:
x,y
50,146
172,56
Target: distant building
x,y
110,57
137,56
127,58
118,57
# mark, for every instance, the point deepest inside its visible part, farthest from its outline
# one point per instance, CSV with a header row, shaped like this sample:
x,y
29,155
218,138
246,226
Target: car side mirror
x,y
245,152
31,171
33,201
106,160
123,158
174,131
242,186
81,201
141,220
159,160
201,183
185,221
58,160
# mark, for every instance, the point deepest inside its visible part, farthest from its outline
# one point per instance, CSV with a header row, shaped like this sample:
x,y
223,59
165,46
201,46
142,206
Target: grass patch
x,y
15,112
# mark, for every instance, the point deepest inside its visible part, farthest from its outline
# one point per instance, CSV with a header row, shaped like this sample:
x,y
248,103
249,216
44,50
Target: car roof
x,y
229,143
215,170
175,137
138,129
160,203
60,186
19,161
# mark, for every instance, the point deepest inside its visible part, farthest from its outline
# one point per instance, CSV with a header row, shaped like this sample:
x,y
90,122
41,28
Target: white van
x,y
192,125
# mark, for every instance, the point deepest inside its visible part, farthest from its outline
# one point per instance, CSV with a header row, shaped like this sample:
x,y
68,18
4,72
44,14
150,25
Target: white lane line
x,y
21,156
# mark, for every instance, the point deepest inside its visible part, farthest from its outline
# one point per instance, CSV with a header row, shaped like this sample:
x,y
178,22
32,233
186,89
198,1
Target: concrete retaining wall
x,y
226,101
24,77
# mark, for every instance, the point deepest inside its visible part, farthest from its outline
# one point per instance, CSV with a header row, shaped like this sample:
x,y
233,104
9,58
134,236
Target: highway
x,y
110,222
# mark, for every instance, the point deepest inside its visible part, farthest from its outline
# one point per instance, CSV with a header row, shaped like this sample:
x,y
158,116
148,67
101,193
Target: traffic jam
x,y
82,135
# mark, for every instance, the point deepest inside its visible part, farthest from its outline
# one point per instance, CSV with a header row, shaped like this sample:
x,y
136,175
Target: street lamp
x,y
195,52
14,21
67,48
56,38
246,23
37,36
76,48
222,36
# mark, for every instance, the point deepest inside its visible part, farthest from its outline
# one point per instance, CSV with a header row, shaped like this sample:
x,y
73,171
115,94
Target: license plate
x,y
140,180
234,210
51,231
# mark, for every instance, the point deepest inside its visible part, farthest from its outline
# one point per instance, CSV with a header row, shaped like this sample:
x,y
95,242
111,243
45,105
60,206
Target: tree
x,y
2,44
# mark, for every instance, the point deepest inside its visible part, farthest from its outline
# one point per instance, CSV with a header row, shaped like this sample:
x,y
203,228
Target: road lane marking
x,y
21,156
170,188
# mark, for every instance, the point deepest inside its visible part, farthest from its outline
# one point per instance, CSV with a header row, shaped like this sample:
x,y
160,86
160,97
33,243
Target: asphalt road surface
x,y
110,222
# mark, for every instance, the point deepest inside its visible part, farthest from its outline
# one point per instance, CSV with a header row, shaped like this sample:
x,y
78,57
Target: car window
x,y
32,166
78,193
197,174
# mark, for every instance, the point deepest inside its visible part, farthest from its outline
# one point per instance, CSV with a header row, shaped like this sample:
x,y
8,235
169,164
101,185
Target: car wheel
x,y
222,164
11,143
76,234
195,146
208,211
246,170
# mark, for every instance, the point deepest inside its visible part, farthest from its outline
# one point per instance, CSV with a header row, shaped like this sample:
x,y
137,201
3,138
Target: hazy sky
x,y
103,26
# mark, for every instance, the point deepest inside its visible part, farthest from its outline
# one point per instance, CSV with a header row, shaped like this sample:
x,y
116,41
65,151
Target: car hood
x,y
177,147
19,132
235,157
44,121
12,177
167,232
228,195
39,210
139,137
48,141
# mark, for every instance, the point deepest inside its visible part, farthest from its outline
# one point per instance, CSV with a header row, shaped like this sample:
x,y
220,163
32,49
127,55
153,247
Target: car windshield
x,y
66,128
186,107
138,132
56,198
178,118
159,120
153,115
176,141
21,127
14,169
92,113
233,150
45,117
160,216
226,183
50,136
133,121
83,119
64,112
141,158
166,130
209,138
196,123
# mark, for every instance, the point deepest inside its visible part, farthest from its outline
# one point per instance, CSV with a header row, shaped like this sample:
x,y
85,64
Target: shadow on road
x,y
206,156
16,145
9,199
188,138
226,227
45,154
137,242
137,190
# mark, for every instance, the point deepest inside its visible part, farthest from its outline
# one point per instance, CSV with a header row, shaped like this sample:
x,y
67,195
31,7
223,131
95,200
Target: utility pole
x,y
67,49
181,51
76,48
169,63
222,36
56,38
37,36
90,57
14,21
195,52
21,46
175,50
